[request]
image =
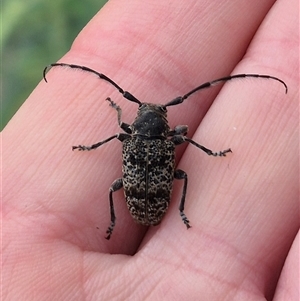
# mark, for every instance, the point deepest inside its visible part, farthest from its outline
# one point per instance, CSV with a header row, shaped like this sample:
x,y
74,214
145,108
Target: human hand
x,y
242,208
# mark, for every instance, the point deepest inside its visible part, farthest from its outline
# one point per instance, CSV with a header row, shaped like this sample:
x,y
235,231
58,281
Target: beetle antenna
x,y
180,99
125,94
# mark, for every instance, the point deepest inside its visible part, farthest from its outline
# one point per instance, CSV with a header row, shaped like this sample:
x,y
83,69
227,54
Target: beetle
x,y
149,153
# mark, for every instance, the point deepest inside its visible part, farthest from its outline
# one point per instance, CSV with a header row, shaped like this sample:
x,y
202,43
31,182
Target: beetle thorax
x,y
151,121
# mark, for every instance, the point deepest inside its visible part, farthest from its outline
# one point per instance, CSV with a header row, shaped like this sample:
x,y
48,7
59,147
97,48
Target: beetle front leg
x,y
181,175
116,185
124,126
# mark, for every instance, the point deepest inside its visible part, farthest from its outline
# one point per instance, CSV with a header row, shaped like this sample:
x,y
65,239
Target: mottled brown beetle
x,y
148,154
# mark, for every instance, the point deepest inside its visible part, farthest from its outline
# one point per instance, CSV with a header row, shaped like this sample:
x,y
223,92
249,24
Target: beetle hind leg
x,y
116,185
181,175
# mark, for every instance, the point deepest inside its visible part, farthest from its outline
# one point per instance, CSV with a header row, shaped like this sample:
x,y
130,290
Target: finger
x,y
288,284
243,208
140,76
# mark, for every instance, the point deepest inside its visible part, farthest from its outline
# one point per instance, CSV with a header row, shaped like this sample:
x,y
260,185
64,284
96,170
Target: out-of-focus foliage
x,y
35,33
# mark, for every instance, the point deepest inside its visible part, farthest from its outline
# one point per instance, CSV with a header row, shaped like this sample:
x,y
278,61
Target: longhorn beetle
x,y
149,153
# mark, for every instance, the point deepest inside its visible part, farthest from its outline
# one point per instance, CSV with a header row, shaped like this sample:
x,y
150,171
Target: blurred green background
x,y
35,33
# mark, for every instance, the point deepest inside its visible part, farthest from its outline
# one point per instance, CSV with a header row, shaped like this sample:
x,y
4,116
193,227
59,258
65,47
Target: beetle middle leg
x,y
116,185
181,175
206,150
178,137
120,136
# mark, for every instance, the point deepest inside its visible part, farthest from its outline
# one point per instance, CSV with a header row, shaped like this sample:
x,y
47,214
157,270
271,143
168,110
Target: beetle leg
x,y
120,137
124,126
116,185
179,130
181,175
178,139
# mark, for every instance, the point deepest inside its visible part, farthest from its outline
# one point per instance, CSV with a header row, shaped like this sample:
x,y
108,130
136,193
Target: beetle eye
x,y
143,106
163,109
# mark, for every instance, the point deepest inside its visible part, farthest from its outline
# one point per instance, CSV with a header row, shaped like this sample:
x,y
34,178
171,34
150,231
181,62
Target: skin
x,y
243,209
